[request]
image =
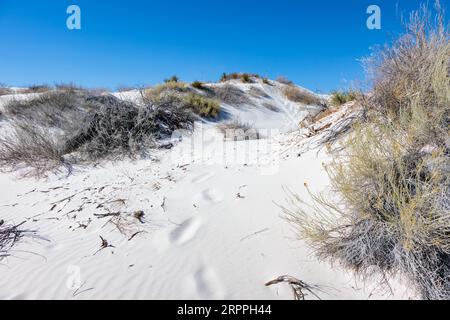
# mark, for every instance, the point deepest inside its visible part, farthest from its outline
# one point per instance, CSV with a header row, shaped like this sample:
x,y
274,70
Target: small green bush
x,y
156,93
339,98
198,85
266,81
202,106
244,77
172,79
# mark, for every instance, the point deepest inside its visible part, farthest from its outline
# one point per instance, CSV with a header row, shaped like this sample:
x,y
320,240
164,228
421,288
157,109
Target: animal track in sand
x,y
186,231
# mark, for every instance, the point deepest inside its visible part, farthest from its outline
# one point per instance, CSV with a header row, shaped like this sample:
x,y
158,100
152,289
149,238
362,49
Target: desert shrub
x,y
5,91
198,85
70,86
202,106
284,80
230,94
172,79
238,130
156,93
37,88
65,127
266,81
244,77
301,96
223,77
30,146
50,109
339,98
115,128
390,213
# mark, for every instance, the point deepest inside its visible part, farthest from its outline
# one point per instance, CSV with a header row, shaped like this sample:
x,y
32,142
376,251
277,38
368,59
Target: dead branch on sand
x,y
297,286
10,235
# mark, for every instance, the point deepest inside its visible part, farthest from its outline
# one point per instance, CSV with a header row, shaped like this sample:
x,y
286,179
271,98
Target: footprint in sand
x,y
186,231
208,285
209,196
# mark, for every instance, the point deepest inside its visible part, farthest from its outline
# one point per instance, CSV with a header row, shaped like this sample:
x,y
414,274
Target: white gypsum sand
x,y
189,223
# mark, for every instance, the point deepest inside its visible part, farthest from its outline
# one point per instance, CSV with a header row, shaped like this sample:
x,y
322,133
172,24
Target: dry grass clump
x,y
172,79
116,128
392,180
37,88
156,93
5,91
69,86
301,96
339,98
10,236
31,146
244,77
238,130
202,106
284,80
266,81
180,94
230,94
198,85
50,109
63,127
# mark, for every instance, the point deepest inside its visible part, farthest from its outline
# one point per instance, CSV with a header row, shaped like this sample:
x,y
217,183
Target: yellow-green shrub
x,y
202,106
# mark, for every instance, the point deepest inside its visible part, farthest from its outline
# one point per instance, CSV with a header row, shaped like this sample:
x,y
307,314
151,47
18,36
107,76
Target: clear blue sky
x,y
316,43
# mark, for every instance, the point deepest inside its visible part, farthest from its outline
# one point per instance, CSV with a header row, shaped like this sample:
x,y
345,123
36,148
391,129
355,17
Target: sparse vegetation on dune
x,y
266,81
230,94
198,85
172,79
202,106
284,80
29,146
301,96
244,77
339,98
116,128
181,93
60,127
37,88
50,109
155,93
5,91
392,176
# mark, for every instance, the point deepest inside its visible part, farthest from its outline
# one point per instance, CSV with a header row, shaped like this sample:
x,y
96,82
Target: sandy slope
x,y
212,227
